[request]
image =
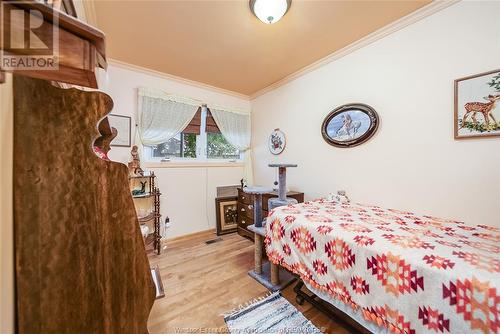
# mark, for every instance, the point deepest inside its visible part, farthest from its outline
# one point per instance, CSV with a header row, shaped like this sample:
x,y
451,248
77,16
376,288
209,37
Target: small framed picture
x,y
277,142
477,110
123,126
226,210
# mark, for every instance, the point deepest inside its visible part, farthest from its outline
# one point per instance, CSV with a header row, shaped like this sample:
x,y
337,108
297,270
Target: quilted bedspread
x,y
405,272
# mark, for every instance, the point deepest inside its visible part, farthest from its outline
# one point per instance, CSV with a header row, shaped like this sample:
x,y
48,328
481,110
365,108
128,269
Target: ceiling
x,y
222,44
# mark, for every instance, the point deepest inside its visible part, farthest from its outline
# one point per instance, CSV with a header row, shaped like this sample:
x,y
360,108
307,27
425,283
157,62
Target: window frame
x,y
201,148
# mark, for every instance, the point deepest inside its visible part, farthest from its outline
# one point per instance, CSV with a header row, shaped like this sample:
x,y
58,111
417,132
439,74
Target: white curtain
x,y
162,116
235,126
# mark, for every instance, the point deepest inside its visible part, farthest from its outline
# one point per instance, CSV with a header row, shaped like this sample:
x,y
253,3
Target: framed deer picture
x,y
477,105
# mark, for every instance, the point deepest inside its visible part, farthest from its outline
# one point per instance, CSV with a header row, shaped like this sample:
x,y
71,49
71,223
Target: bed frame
x,y
330,310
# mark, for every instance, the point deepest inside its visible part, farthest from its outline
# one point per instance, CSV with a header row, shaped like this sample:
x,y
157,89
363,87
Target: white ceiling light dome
x,y
270,11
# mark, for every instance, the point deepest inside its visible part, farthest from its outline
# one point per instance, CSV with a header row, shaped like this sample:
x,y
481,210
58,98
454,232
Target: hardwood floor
x,y
203,281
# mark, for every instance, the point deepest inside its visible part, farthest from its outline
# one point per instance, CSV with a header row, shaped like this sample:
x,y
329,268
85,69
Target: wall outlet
x,y
167,223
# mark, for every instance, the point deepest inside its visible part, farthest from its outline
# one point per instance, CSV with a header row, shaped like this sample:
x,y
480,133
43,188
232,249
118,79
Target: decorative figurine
x,y
340,197
134,166
142,191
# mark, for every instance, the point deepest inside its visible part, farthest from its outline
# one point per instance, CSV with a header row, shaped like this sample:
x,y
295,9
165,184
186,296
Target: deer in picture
x,y
483,108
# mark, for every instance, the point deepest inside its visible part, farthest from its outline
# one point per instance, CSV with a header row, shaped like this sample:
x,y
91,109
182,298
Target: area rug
x,y
271,314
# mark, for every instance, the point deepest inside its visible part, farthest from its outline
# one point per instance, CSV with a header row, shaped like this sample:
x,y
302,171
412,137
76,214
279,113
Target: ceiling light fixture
x,y
270,11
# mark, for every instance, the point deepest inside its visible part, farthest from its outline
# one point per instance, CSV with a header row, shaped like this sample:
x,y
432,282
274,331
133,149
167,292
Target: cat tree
x,y
261,273
282,200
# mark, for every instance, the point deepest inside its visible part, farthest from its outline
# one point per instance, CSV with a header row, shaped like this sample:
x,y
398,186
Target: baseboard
x,y
191,236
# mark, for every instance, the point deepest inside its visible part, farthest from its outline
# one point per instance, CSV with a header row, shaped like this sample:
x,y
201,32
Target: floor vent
x,y
208,242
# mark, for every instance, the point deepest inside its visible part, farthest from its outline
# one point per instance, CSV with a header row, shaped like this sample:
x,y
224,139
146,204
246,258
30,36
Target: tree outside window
x,y
219,148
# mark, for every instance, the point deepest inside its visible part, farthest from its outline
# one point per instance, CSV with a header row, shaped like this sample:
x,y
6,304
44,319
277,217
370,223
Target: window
x,y
219,148
181,146
200,140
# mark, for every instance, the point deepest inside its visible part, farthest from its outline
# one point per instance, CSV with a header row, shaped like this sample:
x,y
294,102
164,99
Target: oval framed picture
x,y
350,125
277,142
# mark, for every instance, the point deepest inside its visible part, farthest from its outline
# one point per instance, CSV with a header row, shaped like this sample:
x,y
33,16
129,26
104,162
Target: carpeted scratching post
x,y
278,279
257,202
282,200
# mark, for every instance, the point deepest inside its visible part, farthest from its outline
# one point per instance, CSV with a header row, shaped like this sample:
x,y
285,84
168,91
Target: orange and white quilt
x,y
405,272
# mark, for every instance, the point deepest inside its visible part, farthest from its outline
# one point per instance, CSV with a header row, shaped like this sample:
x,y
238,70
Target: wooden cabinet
x,y
245,208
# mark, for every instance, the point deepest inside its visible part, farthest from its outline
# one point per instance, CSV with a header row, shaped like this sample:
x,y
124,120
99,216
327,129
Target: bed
x,y
392,271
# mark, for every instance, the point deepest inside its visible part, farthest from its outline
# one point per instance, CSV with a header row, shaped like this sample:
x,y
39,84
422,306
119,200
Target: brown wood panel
x,y
80,261
244,221
245,210
244,232
81,47
107,133
194,125
64,74
293,194
211,126
244,197
69,23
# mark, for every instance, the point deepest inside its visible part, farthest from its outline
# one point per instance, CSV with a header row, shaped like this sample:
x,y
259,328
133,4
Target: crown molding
x,y
175,78
391,28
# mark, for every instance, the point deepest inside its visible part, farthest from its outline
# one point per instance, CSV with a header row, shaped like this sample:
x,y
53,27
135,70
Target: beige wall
x,y
188,193
412,162
6,226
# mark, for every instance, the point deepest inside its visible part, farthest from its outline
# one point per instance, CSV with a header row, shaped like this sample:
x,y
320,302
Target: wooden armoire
x,y
80,262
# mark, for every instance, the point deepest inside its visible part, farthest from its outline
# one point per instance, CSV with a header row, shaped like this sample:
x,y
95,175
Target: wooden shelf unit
x,y
152,206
